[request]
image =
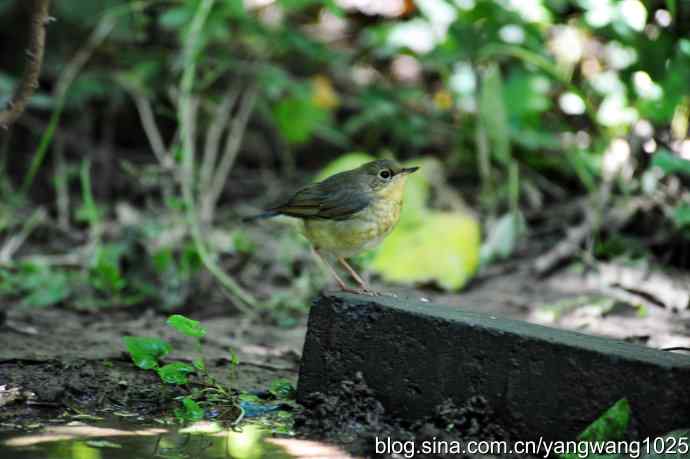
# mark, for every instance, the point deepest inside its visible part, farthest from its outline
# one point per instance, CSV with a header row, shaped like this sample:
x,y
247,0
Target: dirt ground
x,y
55,352
67,363
77,362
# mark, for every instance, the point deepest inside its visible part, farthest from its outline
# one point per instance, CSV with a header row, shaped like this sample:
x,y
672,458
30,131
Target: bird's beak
x,y
408,170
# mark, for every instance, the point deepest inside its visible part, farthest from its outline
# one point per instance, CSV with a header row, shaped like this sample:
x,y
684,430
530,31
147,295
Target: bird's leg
x,y
354,274
340,282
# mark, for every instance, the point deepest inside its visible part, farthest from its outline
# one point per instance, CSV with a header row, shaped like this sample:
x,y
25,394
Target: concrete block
x,y
540,381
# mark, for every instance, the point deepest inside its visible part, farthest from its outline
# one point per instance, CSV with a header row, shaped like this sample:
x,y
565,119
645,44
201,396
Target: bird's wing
x,y
324,200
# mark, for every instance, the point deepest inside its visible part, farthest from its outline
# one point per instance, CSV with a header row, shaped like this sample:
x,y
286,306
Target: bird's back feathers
x,y
328,199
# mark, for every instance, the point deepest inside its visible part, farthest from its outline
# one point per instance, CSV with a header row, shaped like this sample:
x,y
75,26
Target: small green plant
x,y
203,390
610,426
282,389
105,272
173,272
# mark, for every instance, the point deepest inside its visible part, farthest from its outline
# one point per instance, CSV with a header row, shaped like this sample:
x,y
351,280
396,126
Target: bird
x,y
348,213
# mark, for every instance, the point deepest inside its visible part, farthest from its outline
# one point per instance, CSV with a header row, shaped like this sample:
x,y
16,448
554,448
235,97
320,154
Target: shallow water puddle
x,y
200,441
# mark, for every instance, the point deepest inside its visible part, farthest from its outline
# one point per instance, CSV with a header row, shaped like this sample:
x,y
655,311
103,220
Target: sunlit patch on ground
x,y
203,440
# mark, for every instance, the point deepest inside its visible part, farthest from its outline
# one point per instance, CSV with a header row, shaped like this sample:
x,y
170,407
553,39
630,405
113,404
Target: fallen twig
x,y
676,348
612,220
15,242
672,291
565,249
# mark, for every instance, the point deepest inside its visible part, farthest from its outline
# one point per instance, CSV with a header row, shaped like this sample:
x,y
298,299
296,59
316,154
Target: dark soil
x,y
51,389
355,419
63,363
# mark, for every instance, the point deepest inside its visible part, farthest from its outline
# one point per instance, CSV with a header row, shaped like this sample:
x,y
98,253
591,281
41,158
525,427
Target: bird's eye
x,y
385,174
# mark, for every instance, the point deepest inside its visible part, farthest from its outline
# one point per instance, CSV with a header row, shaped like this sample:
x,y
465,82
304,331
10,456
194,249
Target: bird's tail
x,y
261,216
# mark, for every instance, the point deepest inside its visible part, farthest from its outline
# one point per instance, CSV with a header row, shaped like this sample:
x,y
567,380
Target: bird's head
x,y
384,177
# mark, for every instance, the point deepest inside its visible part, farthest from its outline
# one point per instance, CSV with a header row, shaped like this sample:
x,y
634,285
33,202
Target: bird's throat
x,y
394,192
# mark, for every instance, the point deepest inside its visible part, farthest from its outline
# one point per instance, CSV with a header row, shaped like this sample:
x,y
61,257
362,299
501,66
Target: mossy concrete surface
x,y
541,382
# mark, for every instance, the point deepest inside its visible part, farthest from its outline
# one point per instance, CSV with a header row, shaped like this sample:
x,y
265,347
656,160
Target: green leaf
x,y
5,6
443,248
86,13
41,285
140,77
274,80
684,46
233,9
298,117
88,87
251,398
282,389
163,261
176,18
175,373
296,5
186,326
234,358
190,262
190,411
682,215
242,242
528,94
199,364
145,351
611,425
103,444
106,273
670,163
55,290
671,6
494,115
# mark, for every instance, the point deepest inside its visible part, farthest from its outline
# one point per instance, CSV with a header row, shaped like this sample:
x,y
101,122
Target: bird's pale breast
x,y
363,231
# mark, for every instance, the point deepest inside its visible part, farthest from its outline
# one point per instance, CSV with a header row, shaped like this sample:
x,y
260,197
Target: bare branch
x,y
615,218
15,242
669,289
148,121
29,81
232,147
214,135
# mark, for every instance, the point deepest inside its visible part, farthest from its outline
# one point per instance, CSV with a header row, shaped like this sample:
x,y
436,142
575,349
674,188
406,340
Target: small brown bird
x,y
349,212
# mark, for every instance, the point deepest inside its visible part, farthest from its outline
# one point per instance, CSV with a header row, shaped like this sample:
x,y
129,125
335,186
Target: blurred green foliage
x,y
524,102
530,72
37,285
